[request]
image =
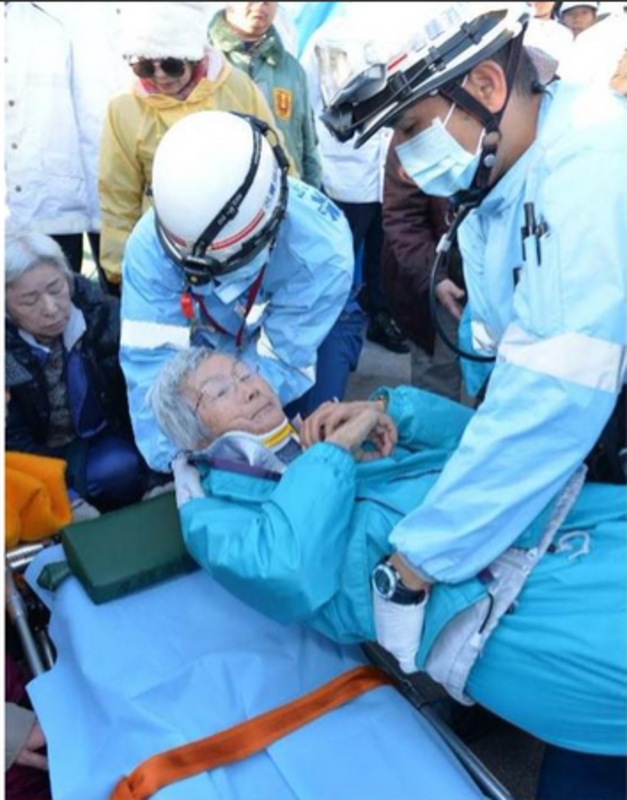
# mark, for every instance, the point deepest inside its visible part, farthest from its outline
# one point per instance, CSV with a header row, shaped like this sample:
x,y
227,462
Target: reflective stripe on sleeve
x,y
152,335
264,346
574,357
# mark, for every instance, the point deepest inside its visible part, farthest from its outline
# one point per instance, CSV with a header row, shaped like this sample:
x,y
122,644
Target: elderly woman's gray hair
x,y
171,405
25,251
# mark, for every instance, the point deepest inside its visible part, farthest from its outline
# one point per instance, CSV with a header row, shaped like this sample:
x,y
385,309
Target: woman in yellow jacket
x,y
176,74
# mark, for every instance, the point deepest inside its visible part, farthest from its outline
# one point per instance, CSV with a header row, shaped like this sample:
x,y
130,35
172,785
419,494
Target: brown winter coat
x,y
413,224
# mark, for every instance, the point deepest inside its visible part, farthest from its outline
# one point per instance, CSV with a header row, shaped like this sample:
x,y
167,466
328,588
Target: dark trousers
x,y
72,246
366,225
107,471
567,775
338,356
106,286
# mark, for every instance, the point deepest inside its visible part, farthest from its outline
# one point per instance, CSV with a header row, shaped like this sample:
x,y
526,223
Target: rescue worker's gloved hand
x,y
187,485
399,629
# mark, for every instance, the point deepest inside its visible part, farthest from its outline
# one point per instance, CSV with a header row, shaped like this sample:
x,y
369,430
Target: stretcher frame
x,y
39,655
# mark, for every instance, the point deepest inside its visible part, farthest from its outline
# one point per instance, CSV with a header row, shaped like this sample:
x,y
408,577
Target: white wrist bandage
x,y
399,630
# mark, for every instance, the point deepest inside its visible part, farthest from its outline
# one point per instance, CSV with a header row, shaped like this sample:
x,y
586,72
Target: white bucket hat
x,y
166,30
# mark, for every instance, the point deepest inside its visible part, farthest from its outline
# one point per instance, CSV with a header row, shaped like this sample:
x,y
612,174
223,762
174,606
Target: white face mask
x,y
436,161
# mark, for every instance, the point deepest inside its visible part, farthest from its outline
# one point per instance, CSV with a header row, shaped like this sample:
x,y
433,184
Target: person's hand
x,y
451,296
187,484
82,511
369,425
410,578
330,416
28,755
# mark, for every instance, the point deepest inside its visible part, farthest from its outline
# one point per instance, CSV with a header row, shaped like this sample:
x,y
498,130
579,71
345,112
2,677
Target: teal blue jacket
x,y
307,557
301,549
284,84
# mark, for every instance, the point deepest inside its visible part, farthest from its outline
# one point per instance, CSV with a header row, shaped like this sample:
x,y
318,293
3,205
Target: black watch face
x,y
383,582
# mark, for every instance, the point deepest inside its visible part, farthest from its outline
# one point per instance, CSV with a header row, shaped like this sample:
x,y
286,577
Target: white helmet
x,y
220,192
430,50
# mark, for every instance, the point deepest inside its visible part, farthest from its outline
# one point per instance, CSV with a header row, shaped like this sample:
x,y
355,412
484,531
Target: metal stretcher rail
x,y
36,645
488,783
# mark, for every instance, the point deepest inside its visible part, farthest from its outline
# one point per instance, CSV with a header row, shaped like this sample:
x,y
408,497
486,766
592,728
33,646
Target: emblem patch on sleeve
x,y
283,103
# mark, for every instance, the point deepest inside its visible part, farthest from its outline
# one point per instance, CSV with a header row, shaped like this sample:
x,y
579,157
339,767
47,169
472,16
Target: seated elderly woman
x,y
68,397
539,637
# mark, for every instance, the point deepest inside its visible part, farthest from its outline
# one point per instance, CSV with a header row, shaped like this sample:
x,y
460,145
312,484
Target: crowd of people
x,y
449,184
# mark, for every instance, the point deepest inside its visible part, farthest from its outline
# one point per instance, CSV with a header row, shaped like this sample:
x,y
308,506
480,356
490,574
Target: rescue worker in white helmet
x,y
235,256
538,172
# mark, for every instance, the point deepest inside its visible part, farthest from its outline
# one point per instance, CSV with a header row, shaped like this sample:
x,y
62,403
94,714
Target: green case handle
x,y
53,575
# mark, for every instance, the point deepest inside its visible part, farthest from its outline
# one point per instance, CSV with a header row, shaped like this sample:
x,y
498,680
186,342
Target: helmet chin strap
x,y
232,206
491,122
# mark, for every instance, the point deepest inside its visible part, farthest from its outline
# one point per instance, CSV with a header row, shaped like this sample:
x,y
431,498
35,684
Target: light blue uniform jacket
x,y
556,311
302,550
304,290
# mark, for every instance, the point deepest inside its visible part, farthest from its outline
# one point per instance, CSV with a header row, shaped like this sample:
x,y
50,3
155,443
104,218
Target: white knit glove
x,y
187,485
157,491
82,511
399,630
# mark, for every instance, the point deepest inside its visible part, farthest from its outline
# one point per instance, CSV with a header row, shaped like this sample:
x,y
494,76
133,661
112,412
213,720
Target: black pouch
x,y
607,461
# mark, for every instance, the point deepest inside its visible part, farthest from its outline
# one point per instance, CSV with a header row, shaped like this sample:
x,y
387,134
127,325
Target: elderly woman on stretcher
x,y
296,523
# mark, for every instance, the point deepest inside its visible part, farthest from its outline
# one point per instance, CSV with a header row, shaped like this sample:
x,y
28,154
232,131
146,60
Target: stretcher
x,y
182,660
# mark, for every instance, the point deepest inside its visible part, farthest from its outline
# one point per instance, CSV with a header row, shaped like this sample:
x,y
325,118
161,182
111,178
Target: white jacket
x,y
45,181
99,73
551,37
348,175
595,53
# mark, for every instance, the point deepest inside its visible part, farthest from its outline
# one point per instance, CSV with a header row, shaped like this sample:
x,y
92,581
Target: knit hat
x,y
166,30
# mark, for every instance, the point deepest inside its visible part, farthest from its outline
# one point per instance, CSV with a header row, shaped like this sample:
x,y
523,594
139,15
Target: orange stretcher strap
x,y
248,737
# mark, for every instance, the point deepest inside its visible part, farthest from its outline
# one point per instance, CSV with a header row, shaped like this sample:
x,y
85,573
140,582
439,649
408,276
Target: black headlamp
x,y
364,117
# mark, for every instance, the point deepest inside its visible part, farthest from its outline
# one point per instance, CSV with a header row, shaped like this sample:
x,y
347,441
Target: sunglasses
x,y
145,67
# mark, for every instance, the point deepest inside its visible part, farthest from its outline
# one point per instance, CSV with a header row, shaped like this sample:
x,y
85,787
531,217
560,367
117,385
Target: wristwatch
x,y
388,584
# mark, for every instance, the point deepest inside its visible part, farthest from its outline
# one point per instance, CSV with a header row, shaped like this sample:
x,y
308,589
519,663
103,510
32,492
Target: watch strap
x,y
402,594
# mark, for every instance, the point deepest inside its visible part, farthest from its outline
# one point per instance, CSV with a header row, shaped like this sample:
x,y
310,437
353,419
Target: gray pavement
x,y
510,754
377,367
